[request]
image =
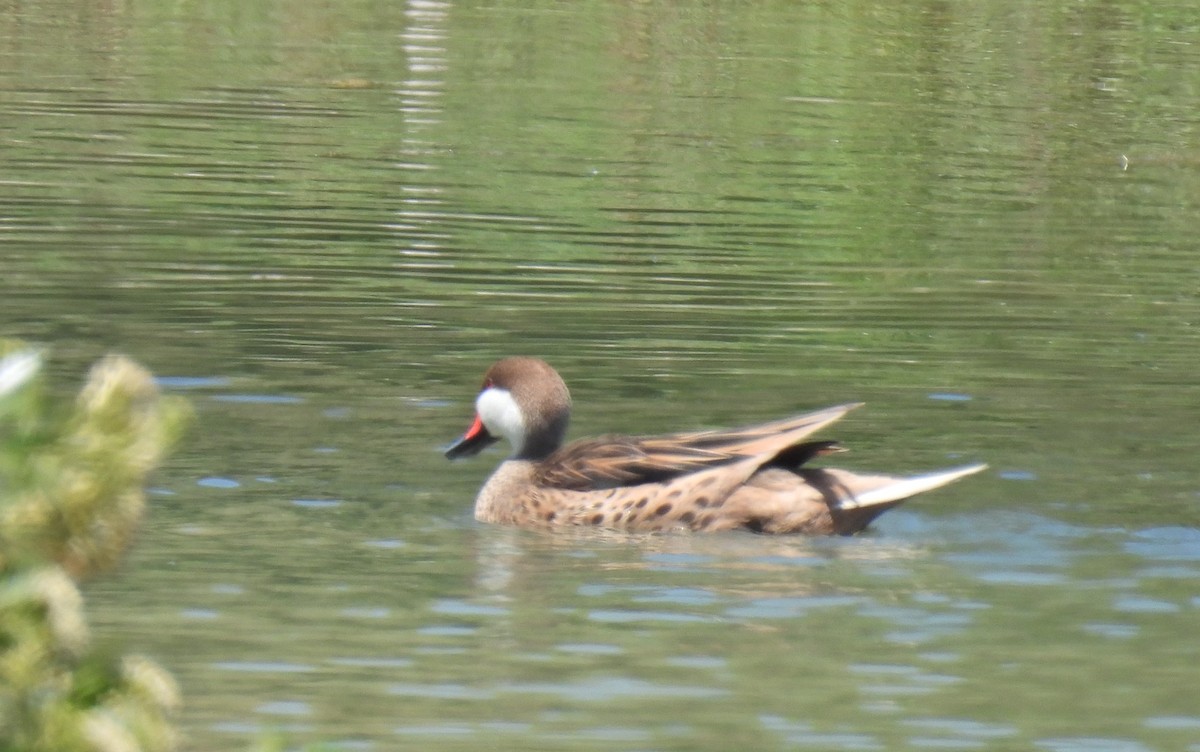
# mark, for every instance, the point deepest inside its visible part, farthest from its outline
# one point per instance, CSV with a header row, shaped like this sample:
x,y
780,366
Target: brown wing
x,y
611,461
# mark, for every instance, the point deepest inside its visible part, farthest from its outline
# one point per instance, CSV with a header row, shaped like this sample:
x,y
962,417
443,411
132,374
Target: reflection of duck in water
x,y
751,477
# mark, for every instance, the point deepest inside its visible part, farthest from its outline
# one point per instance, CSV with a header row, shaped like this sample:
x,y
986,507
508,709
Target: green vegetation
x,y
71,498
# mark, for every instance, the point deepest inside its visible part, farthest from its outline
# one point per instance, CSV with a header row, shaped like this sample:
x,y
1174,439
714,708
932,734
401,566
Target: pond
x,y
323,222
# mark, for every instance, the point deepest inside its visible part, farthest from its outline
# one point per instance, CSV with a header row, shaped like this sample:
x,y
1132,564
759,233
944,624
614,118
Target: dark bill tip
x,y
472,442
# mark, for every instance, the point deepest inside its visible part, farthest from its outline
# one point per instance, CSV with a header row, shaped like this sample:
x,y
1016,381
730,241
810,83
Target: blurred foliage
x,y
71,499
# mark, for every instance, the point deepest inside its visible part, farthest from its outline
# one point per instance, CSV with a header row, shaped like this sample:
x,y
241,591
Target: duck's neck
x,y
536,449
500,499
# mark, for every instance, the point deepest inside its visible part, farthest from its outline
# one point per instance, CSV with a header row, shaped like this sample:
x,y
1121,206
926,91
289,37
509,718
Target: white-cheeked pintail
x,y
755,477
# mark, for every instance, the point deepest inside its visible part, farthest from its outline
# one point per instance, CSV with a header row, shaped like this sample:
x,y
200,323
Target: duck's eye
x,y
487,384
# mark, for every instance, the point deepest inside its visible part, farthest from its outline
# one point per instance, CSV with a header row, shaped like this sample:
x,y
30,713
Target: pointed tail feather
x,y
902,488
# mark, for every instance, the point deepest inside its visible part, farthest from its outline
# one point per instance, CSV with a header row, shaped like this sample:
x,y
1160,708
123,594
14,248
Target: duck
x,y
755,478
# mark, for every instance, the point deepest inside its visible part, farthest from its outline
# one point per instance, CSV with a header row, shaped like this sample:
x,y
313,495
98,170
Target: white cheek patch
x,y
501,415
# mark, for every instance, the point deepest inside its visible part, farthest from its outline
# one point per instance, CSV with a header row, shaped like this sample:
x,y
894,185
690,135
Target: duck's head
x,y
523,400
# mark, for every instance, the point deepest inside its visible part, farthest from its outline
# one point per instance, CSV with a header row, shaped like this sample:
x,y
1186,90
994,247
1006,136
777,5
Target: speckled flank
x,y
742,495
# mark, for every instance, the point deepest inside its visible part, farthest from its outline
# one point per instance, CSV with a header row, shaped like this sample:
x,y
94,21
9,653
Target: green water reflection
x,y
323,222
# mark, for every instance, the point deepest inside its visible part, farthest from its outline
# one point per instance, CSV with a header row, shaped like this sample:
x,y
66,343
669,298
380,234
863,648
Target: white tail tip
x,y
902,488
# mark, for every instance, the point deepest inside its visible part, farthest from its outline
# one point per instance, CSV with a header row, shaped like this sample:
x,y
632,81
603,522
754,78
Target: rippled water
x,y
322,223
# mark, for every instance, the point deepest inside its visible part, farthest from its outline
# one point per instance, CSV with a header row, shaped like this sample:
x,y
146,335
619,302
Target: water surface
x,y
323,223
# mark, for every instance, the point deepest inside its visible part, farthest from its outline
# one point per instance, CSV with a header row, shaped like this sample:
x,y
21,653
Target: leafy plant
x,y
71,499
